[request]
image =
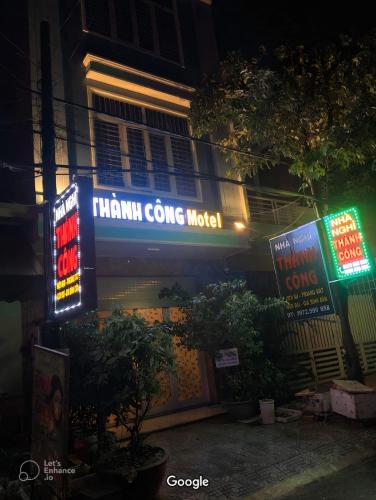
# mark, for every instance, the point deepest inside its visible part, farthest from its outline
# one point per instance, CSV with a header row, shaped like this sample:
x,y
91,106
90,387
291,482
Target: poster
x,y
227,357
49,441
301,273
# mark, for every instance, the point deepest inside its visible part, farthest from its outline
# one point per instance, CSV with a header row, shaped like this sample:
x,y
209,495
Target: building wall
x,y
16,146
11,369
314,348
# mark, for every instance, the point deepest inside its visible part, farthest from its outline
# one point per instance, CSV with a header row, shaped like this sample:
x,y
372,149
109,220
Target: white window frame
x,y
128,187
136,42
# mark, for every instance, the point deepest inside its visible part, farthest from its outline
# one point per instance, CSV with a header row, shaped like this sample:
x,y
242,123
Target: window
x,y
148,24
124,21
108,153
158,152
98,16
182,155
148,155
137,160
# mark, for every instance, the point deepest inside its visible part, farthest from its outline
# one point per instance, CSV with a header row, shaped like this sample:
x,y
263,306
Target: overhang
x,y
135,239
135,82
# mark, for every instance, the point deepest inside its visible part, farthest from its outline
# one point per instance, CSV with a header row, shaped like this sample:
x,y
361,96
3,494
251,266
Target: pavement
x,y
354,482
261,462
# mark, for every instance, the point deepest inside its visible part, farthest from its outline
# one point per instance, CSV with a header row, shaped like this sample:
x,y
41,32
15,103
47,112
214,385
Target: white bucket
x,y
267,411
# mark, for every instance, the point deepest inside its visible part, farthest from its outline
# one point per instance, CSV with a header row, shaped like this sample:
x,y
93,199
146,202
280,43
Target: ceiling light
x,y
239,226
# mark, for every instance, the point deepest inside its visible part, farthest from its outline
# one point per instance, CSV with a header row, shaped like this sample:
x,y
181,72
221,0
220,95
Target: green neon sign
x,y
349,251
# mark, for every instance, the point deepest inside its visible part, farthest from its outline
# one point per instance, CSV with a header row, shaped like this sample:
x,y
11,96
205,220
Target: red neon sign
x,y
67,282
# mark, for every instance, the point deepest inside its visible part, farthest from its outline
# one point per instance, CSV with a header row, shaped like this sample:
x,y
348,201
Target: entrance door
x,y
188,386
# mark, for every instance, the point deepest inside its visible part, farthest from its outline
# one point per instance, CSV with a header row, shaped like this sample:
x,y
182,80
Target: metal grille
x,y
108,154
169,123
273,211
159,159
123,110
136,292
320,339
139,176
183,163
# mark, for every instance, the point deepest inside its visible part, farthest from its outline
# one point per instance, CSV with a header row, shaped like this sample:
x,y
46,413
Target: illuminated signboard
x,y
73,251
116,207
348,249
301,273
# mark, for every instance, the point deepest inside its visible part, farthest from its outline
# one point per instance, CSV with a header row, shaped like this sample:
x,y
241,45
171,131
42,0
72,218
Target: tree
x,y
227,315
114,372
313,110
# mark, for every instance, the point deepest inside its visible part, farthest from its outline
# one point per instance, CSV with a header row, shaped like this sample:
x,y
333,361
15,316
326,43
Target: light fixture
x,y
239,226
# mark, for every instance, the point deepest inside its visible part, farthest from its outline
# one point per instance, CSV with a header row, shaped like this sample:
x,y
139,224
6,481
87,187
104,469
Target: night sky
x,y
246,24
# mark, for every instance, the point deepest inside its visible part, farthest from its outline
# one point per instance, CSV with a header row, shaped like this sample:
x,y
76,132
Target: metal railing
x,y
315,346
273,211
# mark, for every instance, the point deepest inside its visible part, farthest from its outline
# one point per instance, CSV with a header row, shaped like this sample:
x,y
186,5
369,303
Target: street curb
x,y
289,485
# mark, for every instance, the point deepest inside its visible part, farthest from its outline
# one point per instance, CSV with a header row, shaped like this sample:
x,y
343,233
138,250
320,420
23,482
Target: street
x,y
357,482
260,460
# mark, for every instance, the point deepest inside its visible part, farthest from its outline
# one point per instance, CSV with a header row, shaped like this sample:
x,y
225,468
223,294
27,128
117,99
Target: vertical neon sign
x,y
349,251
67,251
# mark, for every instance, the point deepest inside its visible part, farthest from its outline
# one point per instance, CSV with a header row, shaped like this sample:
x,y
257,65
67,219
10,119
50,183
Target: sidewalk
x,y
260,462
355,482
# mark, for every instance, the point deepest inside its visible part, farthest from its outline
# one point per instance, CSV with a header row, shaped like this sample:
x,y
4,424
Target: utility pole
x,y
48,167
341,300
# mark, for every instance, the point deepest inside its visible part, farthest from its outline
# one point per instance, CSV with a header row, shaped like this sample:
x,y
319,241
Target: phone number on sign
x,y
313,310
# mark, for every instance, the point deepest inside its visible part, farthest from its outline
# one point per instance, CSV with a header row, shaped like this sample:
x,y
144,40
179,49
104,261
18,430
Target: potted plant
x,y
227,315
114,373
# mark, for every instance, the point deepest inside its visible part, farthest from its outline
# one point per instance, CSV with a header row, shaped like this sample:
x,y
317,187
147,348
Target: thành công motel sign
x,y
301,273
349,252
74,283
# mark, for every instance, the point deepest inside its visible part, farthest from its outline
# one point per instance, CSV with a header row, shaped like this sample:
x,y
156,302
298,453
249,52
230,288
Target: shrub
x,y
225,315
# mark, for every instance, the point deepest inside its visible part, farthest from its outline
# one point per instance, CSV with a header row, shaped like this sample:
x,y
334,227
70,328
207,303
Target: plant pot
x,y
267,411
147,482
85,447
240,410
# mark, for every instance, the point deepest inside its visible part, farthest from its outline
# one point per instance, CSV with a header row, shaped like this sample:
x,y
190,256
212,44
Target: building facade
x,y
124,73
123,76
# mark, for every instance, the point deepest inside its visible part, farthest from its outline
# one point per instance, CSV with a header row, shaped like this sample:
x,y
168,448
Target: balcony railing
x,y
275,211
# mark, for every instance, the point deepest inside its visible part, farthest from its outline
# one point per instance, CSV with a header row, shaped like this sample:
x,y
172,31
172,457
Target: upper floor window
x,y
132,155
151,25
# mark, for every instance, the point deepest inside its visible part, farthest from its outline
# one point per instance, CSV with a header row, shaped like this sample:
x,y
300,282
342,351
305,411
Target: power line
x,y
168,133
185,174
15,77
23,54
131,157
92,171
206,177
69,15
281,231
164,132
